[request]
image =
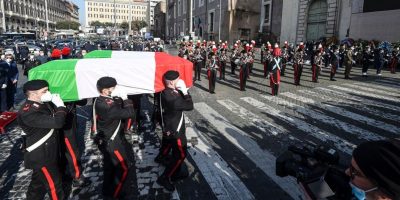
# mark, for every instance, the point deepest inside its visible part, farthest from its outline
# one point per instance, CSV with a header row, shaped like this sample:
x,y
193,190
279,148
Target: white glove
x,y
56,99
3,86
119,92
180,85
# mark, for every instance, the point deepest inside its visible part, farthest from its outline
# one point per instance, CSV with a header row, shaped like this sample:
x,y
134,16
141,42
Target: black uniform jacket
x,y
109,112
173,103
36,120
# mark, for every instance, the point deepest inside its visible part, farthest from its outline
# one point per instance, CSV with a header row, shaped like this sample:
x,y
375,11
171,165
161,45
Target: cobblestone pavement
x,y
239,135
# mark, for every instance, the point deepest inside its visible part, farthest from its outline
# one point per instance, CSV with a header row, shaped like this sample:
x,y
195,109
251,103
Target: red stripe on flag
x,y
166,62
124,174
74,161
51,183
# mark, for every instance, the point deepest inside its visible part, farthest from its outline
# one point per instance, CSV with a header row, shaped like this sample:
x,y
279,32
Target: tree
x,y
109,24
96,24
124,25
68,25
137,25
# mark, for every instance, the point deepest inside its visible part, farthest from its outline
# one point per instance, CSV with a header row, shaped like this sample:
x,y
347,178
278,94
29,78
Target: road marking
x,y
358,92
380,87
371,103
341,98
263,125
222,179
370,89
348,114
339,143
263,159
349,128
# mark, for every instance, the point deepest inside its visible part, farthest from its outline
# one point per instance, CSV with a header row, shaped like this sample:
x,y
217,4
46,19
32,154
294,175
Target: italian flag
x,y
136,72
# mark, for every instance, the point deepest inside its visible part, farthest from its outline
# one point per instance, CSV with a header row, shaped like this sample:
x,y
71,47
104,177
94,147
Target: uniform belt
x,y
116,131
40,142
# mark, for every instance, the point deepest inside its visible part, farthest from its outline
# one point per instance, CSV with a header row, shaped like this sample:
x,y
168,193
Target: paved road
x,y
240,135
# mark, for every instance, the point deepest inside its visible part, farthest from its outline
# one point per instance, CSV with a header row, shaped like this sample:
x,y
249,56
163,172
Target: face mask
x,y
83,53
41,54
31,57
46,97
8,60
358,193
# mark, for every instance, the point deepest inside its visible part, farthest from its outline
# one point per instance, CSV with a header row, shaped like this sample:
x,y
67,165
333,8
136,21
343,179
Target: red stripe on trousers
x,y
124,174
129,124
180,160
74,161
166,149
51,183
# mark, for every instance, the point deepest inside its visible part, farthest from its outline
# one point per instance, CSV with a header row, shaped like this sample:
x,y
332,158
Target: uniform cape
x,y
135,72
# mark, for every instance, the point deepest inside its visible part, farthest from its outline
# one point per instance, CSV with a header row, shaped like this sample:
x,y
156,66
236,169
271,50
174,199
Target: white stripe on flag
x,y
222,179
349,128
339,98
132,55
339,143
345,113
136,76
368,94
369,89
263,159
256,121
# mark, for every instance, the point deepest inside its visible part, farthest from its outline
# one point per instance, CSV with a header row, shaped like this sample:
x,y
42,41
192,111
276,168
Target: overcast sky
x,y
81,6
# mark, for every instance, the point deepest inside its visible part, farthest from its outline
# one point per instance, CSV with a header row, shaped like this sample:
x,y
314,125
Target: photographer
x,y
375,170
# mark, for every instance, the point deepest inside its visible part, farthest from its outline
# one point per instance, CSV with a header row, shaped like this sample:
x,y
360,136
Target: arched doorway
x,y
316,21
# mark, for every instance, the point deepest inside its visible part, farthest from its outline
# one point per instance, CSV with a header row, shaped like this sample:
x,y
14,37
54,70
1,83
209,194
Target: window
x,y
383,5
193,4
201,3
244,33
184,6
179,8
211,21
267,11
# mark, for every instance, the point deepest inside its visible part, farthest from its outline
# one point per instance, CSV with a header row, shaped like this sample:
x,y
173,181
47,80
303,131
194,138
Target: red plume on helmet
x,y
56,53
214,49
277,51
247,48
301,46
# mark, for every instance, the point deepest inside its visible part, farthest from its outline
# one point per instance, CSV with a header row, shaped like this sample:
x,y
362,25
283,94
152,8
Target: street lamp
x,y
219,23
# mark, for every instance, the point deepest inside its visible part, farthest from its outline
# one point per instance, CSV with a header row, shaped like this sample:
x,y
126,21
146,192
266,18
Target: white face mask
x,y
31,57
41,54
8,60
46,97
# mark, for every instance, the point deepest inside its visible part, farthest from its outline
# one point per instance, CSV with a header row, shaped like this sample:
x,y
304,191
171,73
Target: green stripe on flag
x,y
61,77
99,54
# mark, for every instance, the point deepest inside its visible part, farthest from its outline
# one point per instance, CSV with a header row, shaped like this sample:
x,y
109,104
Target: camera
x,y
317,170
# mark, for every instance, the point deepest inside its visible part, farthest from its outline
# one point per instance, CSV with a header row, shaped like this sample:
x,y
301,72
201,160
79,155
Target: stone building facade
x,y
30,15
228,20
159,20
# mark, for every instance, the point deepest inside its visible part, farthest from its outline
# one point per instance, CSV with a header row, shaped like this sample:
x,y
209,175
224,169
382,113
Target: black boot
x,y
166,183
